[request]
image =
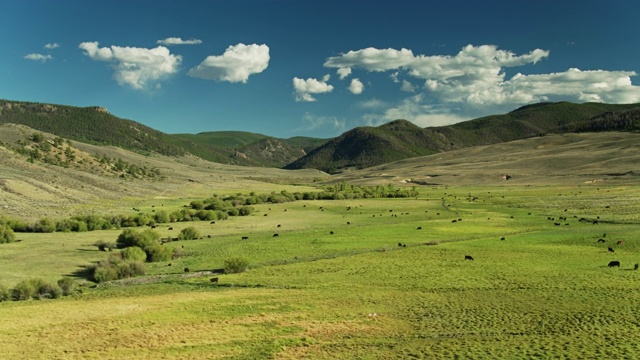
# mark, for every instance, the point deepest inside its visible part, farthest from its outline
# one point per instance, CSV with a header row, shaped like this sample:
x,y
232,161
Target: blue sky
x,y
316,68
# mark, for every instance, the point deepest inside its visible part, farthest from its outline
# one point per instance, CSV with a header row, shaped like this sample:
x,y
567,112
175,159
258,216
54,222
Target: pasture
x,y
335,284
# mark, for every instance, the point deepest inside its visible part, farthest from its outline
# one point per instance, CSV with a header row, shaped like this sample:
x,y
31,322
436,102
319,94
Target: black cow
x,y
419,228
600,240
245,238
214,279
468,257
400,244
213,222
275,235
170,228
186,270
331,232
614,263
503,238
348,223
610,249
278,225
635,267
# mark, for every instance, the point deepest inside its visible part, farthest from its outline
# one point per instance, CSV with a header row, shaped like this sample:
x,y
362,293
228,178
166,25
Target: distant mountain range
x,y
360,147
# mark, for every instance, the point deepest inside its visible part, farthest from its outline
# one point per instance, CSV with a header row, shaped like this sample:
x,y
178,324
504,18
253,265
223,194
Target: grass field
x,y
545,291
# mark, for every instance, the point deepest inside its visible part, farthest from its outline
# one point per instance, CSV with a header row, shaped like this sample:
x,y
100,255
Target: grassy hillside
x,y
228,139
364,147
92,125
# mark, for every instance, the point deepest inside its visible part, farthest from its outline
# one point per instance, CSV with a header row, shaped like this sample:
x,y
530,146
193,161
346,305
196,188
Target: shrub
x,y
162,217
67,285
157,253
189,233
245,211
48,291
6,235
5,294
104,271
26,289
142,239
235,265
103,245
133,253
45,225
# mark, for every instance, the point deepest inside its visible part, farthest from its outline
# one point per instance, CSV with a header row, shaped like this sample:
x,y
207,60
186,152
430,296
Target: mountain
x,y
95,125
369,146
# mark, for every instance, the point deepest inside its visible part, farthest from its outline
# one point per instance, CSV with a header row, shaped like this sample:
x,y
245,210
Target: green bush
x,y
48,291
6,235
133,253
45,225
67,285
103,245
235,265
189,233
26,289
141,239
162,217
5,294
157,253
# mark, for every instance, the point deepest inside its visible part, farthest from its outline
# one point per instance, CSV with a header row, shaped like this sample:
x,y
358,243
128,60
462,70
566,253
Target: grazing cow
x,y
610,249
635,267
213,222
556,224
400,244
503,238
454,221
214,279
169,264
620,242
614,263
278,225
265,214
170,228
245,238
186,270
331,232
348,223
275,235
419,228
468,257
600,240
153,226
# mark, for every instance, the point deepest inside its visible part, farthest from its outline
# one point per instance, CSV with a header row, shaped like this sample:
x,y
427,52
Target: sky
x,y
288,68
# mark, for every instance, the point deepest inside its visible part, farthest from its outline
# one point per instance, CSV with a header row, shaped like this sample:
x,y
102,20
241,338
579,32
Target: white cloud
x,y
356,87
413,109
326,78
394,77
372,59
343,72
236,64
38,57
576,85
136,67
51,46
407,86
178,41
372,104
305,88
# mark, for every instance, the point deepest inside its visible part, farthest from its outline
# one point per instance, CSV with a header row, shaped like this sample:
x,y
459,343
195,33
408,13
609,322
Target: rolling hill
x,y
369,146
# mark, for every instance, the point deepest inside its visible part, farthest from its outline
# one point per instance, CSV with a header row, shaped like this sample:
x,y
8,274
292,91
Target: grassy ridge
x,y
545,291
369,146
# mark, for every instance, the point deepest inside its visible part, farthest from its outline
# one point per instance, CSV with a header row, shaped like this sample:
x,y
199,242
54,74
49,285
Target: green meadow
x,y
336,284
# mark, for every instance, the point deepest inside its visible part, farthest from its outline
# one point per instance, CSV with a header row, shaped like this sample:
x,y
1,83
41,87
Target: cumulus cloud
x,y
136,67
38,57
415,110
372,59
236,64
343,72
305,88
356,87
178,41
574,84
51,46
407,86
